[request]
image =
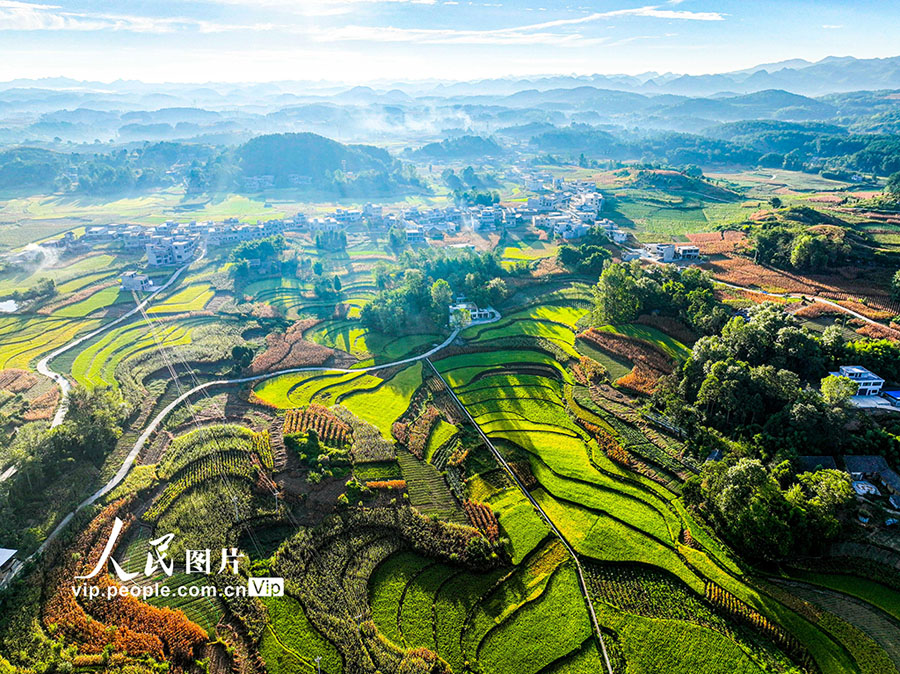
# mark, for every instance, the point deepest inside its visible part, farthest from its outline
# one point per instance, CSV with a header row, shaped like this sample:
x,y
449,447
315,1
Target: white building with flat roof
x,y
131,280
166,251
868,383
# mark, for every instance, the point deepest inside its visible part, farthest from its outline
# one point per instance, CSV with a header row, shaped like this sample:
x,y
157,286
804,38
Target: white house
x,y
131,280
571,230
664,252
166,251
488,218
669,252
475,314
8,563
415,235
687,252
868,383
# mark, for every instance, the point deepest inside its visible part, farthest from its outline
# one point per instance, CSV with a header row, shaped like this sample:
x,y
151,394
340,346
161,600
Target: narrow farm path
x,y
503,463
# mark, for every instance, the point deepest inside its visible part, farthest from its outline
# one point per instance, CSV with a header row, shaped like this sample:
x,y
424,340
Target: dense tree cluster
x,y
768,520
27,169
627,290
89,431
331,240
589,256
808,249
459,148
256,253
760,381
422,292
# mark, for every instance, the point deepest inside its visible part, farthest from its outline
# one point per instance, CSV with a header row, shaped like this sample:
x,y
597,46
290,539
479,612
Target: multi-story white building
x,y
131,280
166,251
415,235
868,383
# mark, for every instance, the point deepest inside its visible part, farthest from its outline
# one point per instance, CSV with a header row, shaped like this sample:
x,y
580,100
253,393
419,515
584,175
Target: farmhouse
x,y
131,280
868,383
475,314
570,230
687,252
873,468
669,252
167,251
415,235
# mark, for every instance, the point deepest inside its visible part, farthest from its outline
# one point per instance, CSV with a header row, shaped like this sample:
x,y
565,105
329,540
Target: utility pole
x,y
318,664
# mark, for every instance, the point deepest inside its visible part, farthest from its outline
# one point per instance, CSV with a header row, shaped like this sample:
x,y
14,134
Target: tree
x,y
461,318
893,184
775,202
441,297
895,284
837,390
397,238
809,252
496,290
241,355
92,425
317,268
336,284
615,296
693,171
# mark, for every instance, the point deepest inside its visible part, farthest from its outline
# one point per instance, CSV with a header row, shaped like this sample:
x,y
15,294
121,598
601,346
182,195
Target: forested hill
x,y
286,160
307,154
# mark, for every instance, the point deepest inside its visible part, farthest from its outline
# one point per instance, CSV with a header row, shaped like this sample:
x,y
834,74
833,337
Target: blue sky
x,y
370,40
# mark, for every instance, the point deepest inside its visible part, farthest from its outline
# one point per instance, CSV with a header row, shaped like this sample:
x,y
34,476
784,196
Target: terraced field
x,y
25,340
605,511
497,620
375,400
190,298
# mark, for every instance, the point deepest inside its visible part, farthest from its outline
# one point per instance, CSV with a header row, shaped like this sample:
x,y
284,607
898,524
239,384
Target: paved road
x,y
799,296
502,461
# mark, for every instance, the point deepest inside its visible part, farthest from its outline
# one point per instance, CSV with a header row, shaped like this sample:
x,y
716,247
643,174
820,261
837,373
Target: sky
x,y
370,41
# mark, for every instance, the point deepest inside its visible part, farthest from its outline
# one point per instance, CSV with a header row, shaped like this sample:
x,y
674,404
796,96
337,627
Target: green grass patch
x,y
290,643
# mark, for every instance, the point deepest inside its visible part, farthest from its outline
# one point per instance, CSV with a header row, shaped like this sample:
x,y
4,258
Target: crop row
x,y
217,465
369,445
123,624
204,441
870,658
328,427
482,517
262,446
742,612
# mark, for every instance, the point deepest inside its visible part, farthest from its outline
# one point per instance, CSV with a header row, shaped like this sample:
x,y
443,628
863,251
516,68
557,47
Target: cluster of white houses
x,y
565,209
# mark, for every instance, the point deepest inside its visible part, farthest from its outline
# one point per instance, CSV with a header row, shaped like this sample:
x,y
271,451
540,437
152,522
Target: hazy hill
x,y
307,154
464,147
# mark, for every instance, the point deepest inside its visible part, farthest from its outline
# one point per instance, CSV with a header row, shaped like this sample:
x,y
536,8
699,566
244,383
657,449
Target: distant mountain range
x,y
830,75
859,95
834,74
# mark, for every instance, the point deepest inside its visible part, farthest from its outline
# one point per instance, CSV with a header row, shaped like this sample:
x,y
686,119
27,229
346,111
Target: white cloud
x,y
16,15
504,36
535,33
25,16
829,26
